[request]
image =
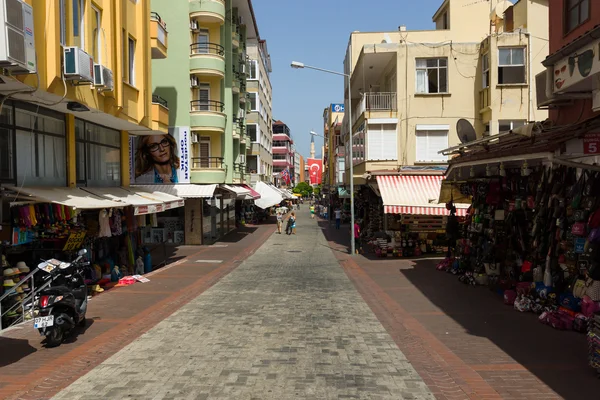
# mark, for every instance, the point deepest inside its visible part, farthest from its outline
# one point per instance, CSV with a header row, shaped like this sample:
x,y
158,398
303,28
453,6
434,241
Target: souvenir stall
x,y
532,233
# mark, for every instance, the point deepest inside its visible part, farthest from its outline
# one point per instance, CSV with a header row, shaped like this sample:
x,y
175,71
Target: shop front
x,y
112,224
532,233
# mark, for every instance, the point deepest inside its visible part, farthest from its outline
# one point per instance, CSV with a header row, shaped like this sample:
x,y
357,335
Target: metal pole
x,y
352,247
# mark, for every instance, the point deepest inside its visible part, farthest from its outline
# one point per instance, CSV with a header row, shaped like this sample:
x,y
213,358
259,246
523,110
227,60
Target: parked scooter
x,y
61,306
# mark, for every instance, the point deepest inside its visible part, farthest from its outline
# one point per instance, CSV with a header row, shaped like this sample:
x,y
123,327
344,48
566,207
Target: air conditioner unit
x,y
543,101
78,65
195,138
194,25
193,81
103,78
17,45
242,159
243,68
240,21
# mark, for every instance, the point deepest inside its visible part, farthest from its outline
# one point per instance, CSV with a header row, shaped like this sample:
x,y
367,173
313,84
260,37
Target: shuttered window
x,y
205,151
382,143
429,142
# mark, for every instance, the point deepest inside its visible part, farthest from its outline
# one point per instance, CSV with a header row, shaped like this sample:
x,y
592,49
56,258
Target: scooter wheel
x,y
55,337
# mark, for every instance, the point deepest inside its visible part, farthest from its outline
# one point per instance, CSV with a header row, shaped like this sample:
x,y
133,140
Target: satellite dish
x,y
500,9
466,132
386,38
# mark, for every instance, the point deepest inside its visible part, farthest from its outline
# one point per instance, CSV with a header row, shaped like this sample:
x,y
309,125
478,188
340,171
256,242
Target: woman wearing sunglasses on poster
x,y
156,160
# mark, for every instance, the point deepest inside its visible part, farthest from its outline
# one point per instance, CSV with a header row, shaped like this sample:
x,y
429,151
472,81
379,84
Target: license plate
x,y
43,322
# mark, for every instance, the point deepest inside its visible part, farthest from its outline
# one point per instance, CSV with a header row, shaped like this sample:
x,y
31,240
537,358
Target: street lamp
x,y
299,65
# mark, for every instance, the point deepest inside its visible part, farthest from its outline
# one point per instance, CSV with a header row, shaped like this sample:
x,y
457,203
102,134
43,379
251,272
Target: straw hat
x,y
9,283
9,272
23,267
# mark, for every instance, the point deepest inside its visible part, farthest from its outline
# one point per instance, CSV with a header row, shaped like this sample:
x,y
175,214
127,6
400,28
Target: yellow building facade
x,y
93,66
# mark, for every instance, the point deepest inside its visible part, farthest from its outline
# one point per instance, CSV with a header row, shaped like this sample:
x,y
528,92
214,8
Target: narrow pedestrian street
x,y
266,316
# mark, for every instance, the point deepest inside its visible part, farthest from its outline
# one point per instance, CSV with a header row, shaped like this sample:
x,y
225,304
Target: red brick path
x,y
30,371
463,341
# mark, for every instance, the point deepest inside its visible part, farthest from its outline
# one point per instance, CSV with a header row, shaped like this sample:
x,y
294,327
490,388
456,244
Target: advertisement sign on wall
x,y
160,159
338,108
315,171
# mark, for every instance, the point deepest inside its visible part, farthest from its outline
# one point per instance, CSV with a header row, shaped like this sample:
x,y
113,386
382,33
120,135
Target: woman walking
x,y
291,224
279,221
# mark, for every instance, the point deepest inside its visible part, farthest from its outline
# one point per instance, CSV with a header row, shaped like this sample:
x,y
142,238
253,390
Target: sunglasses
x,y
584,63
154,146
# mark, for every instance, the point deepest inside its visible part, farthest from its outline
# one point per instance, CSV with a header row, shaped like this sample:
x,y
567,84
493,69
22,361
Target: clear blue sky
x,y
316,32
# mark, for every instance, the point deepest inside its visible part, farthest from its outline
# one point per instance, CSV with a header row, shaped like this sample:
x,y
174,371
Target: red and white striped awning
x,y
253,193
414,194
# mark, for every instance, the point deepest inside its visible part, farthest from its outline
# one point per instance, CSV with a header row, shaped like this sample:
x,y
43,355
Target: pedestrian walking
x,y
312,212
291,225
338,218
279,221
356,237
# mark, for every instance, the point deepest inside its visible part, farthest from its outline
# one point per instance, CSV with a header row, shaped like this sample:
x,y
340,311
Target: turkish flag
x,y
315,170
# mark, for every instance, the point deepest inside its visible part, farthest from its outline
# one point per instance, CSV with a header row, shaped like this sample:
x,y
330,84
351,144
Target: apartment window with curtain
x,y
131,54
432,75
576,13
382,143
78,9
253,101
511,65
485,70
98,155
96,34
40,146
430,140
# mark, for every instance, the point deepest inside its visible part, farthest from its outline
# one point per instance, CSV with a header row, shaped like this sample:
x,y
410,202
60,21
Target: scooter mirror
x,y
82,252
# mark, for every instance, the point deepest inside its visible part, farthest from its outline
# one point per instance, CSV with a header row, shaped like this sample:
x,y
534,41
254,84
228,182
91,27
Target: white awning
x,y
269,195
239,191
70,197
186,191
144,202
284,193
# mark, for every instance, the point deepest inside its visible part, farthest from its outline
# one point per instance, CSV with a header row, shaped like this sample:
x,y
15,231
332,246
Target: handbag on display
x,y
593,289
578,229
579,288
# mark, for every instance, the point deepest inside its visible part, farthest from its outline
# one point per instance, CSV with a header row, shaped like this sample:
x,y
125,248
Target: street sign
x,y
591,143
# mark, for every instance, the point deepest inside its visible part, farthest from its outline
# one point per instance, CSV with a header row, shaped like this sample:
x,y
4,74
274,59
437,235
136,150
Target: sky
x,y
316,32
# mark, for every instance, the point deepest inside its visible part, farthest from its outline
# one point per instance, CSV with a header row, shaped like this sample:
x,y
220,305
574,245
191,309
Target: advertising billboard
x,y
315,171
160,159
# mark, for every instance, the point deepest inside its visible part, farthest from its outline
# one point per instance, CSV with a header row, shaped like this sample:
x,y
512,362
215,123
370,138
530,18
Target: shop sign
x,y
577,67
337,108
151,209
75,241
174,204
591,143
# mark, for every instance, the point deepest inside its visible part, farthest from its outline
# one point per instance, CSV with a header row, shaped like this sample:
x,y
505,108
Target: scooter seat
x,y
55,290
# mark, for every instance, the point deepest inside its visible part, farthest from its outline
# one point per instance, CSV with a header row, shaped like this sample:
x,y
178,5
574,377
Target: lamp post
x,y
299,65
330,213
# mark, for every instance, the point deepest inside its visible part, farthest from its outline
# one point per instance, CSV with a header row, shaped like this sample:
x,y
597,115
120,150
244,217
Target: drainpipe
x,y
530,78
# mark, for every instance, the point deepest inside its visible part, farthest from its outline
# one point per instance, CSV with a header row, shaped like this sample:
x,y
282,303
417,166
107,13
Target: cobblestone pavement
x,y
286,324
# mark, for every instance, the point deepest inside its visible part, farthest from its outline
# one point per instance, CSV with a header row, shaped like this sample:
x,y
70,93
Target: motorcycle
x,y
61,306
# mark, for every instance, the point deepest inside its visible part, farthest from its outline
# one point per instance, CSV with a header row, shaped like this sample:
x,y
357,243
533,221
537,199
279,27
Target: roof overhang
x,y
371,64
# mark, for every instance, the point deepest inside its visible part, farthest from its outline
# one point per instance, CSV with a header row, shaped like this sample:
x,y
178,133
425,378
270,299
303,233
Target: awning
x,y
186,191
269,195
239,191
253,193
414,194
284,193
143,202
70,197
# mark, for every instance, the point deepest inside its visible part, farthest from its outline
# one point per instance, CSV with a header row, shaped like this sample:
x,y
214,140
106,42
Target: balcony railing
x,y
378,101
156,99
207,105
207,48
207,162
154,16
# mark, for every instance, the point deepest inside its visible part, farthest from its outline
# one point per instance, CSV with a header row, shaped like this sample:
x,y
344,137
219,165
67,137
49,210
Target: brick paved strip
x,y
445,373
45,381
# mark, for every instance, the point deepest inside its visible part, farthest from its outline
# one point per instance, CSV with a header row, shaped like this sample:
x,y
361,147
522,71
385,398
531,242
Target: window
x,y
381,142
511,65
41,146
98,155
131,54
62,14
202,40
429,142
253,69
432,75
96,35
204,151
576,13
203,99
485,70
79,23
252,130
253,101
507,125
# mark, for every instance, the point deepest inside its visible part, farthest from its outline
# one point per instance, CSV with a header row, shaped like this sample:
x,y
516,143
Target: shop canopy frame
x,y
182,190
414,194
143,202
75,198
269,195
254,195
240,192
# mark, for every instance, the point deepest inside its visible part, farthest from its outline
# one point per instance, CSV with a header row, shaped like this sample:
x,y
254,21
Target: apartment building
x,y
409,88
283,153
75,88
259,162
333,149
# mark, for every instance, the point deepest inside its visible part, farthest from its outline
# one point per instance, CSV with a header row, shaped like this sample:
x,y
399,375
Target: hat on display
x,y
25,286
97,288
19,290
23,267
9,272
16,270
9,283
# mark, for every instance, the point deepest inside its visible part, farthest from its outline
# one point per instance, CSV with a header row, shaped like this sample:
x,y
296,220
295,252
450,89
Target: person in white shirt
x,y
338,218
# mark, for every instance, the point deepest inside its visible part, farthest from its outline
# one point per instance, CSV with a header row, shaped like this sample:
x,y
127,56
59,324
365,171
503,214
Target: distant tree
x,y
317,190
303,188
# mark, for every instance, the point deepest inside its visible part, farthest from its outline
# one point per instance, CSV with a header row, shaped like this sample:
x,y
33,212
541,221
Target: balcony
x,y
160,114
376,105
208,11
207,59
207,115
239,170
207,170
236,82
235,36
158,36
